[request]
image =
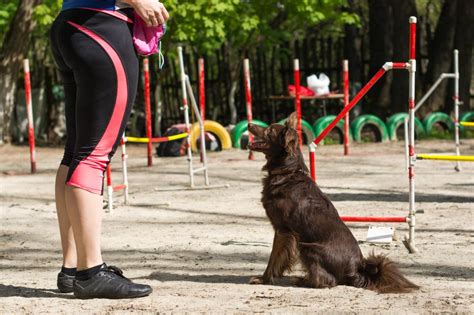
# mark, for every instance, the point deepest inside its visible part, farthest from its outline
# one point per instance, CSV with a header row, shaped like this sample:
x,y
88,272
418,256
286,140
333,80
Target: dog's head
x,y
276,140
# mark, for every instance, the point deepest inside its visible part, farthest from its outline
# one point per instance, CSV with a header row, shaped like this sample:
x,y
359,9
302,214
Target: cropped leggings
x,y
98,66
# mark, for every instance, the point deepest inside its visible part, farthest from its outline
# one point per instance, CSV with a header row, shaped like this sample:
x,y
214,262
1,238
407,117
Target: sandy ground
x,y
199,252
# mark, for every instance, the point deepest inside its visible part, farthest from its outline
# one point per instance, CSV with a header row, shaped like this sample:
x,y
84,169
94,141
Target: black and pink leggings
x,y
98,65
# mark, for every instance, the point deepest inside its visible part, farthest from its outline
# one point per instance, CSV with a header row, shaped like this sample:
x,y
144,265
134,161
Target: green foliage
x,y
7,11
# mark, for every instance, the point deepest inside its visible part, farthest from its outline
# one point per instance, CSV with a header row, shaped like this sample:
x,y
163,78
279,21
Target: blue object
x,y
96,4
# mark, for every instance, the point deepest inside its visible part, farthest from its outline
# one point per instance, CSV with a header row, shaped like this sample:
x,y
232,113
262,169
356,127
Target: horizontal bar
x,y
119,187
460,158
467,124
199,169
400,65
347,108
156,140
374,219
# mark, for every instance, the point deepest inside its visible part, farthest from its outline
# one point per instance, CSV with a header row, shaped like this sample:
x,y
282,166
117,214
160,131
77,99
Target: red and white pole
x,y
410,242
110,189
345,78
146,74
248,100
296,68
202,88
29,111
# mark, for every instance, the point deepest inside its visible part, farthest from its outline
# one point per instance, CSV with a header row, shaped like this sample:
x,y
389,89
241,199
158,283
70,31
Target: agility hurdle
x,y
124,186
248,101
411,67
345,83
466,124
29,111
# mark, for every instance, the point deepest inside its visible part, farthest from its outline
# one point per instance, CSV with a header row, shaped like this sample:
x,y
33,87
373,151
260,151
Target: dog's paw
x,y
256,280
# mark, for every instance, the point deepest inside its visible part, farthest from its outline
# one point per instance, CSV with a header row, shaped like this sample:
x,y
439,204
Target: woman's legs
x,y
65,229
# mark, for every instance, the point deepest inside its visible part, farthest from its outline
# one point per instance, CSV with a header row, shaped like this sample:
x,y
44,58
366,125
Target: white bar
x,y
456,108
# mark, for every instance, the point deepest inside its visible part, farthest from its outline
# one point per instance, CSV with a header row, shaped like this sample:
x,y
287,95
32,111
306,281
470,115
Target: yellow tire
x,y
216,129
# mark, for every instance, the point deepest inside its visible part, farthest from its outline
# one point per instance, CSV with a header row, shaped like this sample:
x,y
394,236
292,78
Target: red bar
x,y
202,89
374,219
248,100
345,76
297,99
146,73
109,176
312,165
346,109
119,187
29,111
399,65
412,38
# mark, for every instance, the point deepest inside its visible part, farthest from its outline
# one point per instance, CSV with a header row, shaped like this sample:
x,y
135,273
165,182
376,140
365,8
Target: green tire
x,y
437,118
397,120
238,131
369,120
307,130
324,121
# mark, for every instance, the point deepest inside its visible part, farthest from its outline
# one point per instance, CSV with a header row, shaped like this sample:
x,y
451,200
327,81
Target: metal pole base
x,y
410,245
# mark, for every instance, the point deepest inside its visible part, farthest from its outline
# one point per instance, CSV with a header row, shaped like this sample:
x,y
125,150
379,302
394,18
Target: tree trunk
x,y
380,52
440,56
352,47
401,12
464,43
12,53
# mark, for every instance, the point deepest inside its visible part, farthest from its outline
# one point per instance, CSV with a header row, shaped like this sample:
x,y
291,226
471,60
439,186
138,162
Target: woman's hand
x,y
152,12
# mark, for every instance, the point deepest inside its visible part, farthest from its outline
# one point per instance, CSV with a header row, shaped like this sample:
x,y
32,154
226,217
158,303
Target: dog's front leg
x,y
283,256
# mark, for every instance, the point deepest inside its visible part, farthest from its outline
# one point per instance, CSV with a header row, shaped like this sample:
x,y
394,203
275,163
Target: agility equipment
x,y
467,124
146,81
240,129
248,100
306,129
395,121
213,127
345,81
437,118
457,103
411,67
457,158
124,186
156,140
369,120
29,111
202,88
296,68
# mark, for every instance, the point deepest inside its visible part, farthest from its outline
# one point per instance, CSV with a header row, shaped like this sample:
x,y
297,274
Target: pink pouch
x,y
146,39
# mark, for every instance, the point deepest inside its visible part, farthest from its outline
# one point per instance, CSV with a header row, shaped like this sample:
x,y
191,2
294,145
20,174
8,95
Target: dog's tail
x,y
382,275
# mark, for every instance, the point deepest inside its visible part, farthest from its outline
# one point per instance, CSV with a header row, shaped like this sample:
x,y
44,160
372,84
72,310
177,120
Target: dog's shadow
x,y
19,291
286,281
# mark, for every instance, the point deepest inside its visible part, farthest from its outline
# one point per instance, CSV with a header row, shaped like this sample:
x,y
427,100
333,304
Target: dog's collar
x,y
282,172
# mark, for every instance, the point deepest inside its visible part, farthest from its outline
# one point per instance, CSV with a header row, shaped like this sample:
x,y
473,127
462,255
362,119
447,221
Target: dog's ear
x,y
290,140
292,121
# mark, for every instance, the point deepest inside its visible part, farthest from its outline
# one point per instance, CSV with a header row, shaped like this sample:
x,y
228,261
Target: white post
x,y
456,108
202,131
405,129
186,115
124,169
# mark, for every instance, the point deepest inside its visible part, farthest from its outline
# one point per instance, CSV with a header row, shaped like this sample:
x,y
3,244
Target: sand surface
x,y
199,252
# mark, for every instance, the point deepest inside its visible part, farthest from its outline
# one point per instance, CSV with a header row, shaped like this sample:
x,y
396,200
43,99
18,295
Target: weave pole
x,y
124,186
248,100
29,111
456,108
296,68
202,88
146,74
345,76
410,240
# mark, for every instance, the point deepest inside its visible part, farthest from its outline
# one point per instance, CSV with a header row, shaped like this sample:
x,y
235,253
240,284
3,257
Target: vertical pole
x,y
186,115
345,75
110,189
411,140
146,73
312,160
202,89
456,107
29,111
405,130
248,100
124,169
202,97
296,68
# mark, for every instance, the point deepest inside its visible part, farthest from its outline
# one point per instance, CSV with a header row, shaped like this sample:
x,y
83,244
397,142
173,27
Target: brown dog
x,y
308,226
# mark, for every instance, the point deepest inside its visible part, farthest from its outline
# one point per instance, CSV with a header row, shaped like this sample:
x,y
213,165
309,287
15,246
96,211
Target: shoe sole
x,y
113,298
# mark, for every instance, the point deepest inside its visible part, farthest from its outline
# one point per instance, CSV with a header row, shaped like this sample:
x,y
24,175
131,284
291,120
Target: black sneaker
x,y
65,283
109,283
